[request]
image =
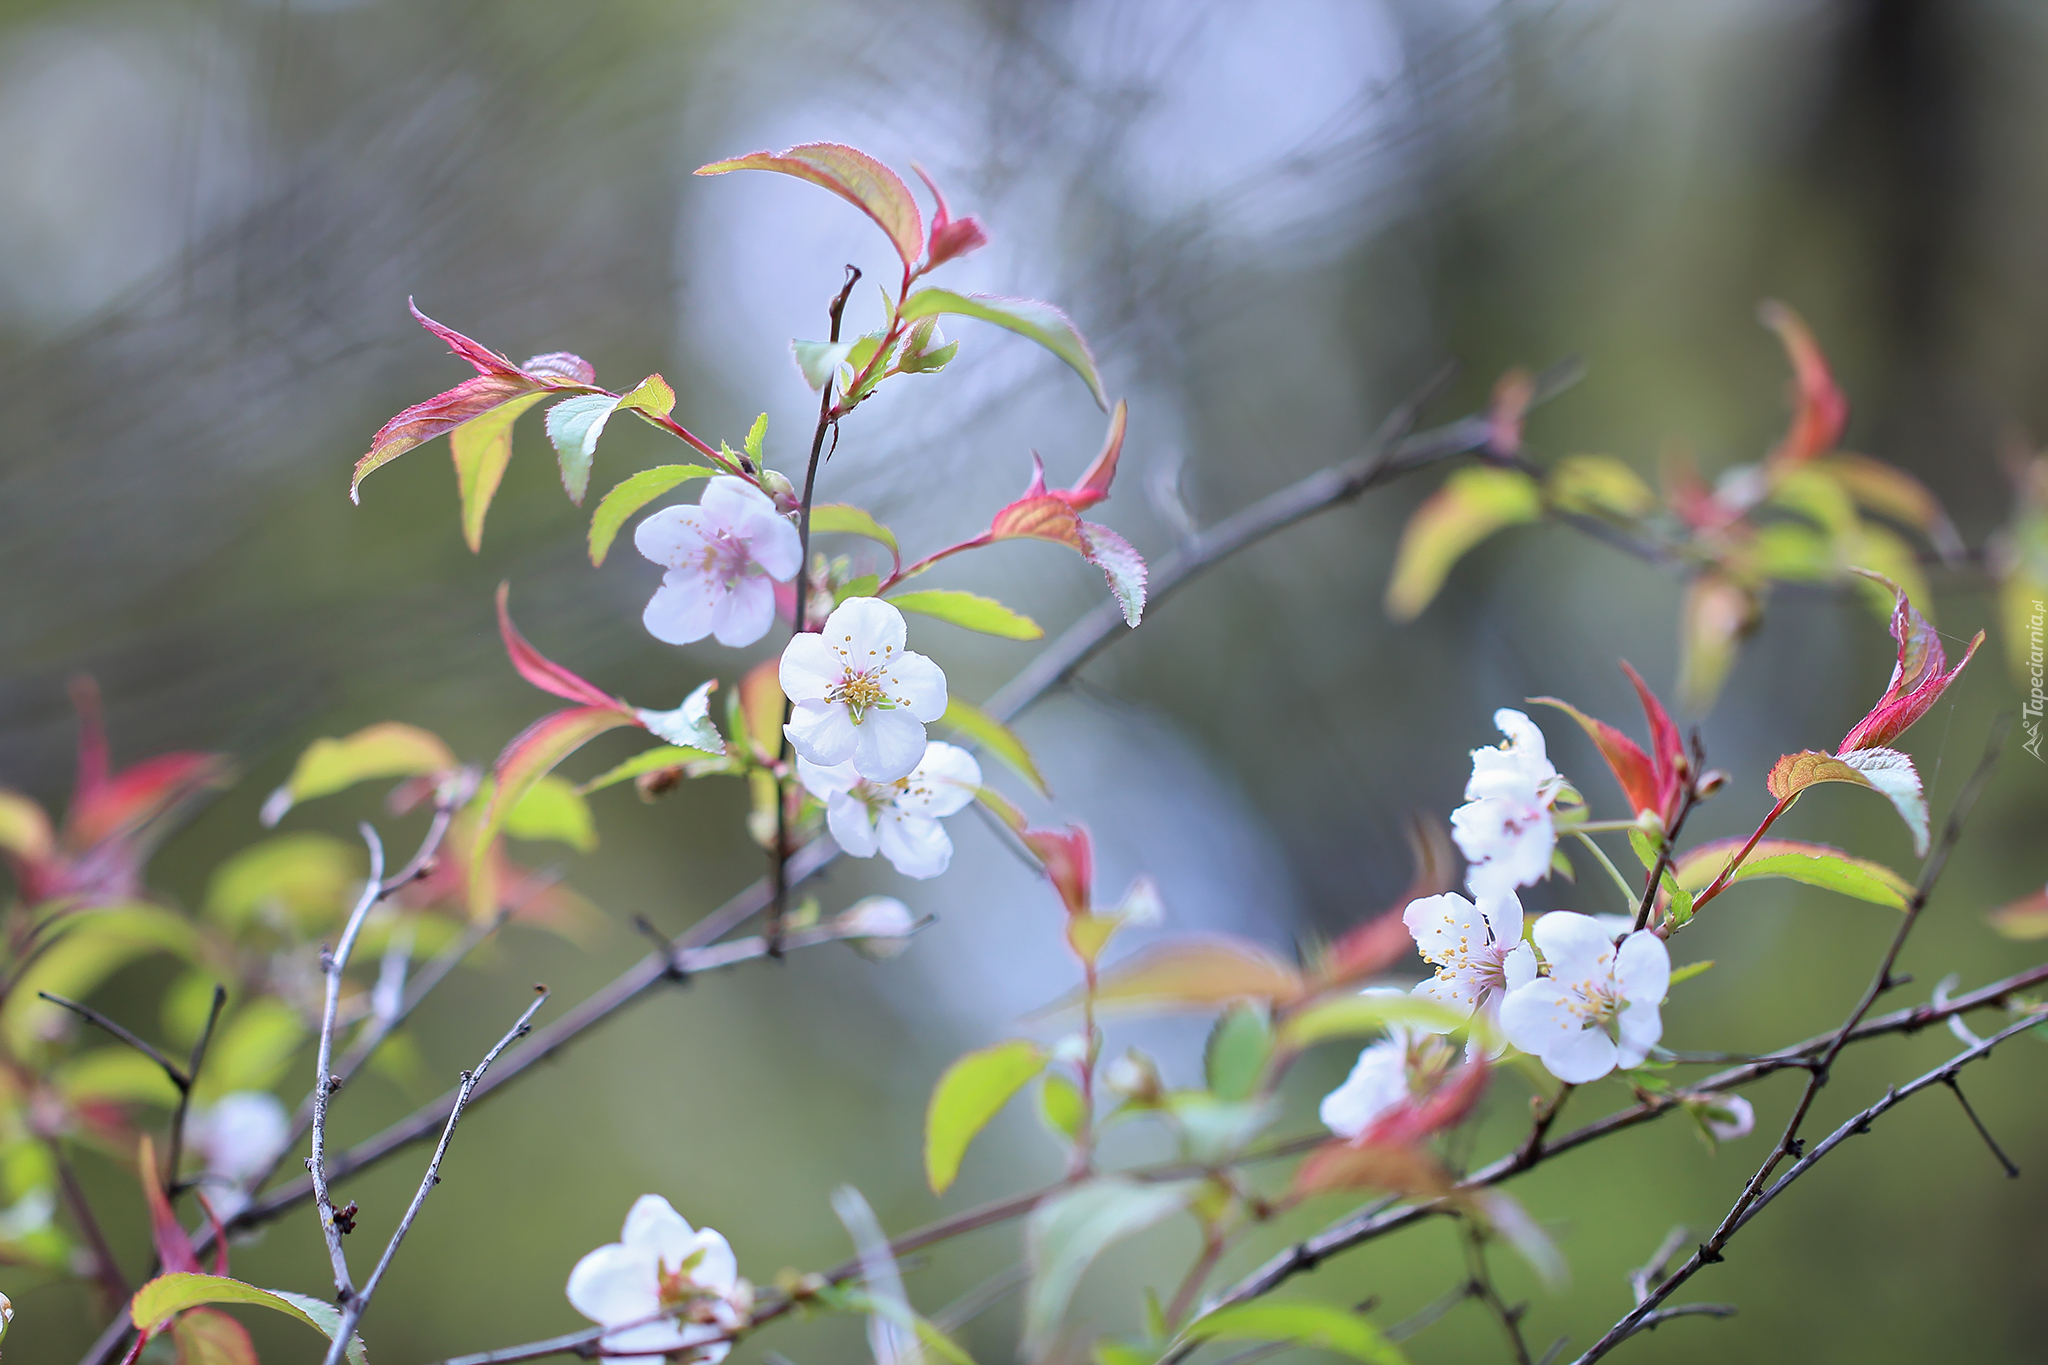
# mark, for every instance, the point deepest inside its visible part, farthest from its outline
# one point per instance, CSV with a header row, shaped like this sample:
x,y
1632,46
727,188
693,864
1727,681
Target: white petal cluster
x,y
724,557
665,1286
1477,951
1505,828
898,819
880,926
858,696
1599,1006
1386,1076
237,1138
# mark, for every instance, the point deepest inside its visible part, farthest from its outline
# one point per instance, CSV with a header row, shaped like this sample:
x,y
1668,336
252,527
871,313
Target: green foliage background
x,y
218,207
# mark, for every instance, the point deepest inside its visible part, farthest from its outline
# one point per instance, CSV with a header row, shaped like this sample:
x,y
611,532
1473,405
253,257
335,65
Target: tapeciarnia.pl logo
x,y
2031,708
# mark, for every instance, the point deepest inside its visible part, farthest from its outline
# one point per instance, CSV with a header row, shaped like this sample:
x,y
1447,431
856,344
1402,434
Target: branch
x,y
353,1313
91,1015
324,1080
177,1134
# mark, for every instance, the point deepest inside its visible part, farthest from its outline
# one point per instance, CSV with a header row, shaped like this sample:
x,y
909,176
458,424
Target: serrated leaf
x,y
553,809
970,611
982,729
1822,411
1234,1059
1810,864
1121,564
1644,847
851,174
651,397
970,1093
850,520
1198,971
1065,1234
387,749
819,360
630,496
1320,1325
481,448
1355,1016
689,725
1631,766
757,438
1060,1104
573,425
1885,771
864,586
1041,322
1917,681
168,1295
1472,505
1891,492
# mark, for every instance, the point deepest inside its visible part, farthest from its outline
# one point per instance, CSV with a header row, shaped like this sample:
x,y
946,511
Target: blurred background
x,y
1273,221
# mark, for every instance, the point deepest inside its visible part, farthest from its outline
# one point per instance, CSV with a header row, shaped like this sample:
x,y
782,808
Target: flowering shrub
x,y
306,944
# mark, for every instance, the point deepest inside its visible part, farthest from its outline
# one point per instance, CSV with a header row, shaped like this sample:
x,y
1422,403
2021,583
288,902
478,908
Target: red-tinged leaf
x,y
544,672
854,176
481,449
1093,485
92,735
762,704
207,1336
1041,516
950,237
1121,564
1794,773
1886,771
1667,746
1383,940
1891,492
1917,679
1820,411
1444,1106
1718,612
486,360
1512,394
1069,860
2023,919
1199,972
532,755
1472,505
561,367
1407,1171
173,1247
140,794
1631,766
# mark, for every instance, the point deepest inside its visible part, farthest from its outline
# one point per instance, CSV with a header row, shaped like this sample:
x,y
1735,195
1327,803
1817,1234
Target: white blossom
x,y
1505,829
1477,951
724,557
236,1139
660,1263
858,696
1386,1076
880,925
899,819
1598,1009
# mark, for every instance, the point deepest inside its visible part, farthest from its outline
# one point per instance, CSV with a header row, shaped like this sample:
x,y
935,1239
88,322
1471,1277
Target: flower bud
x,y
778,487
879,925
1134,1076
1711,781
1725,1117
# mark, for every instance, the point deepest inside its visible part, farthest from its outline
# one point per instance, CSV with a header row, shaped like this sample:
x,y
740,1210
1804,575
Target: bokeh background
x,y
1273,220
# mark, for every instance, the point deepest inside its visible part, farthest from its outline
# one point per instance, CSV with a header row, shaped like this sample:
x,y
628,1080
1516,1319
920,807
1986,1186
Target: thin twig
x,y
2012,1171
86,1012
176,1140
105,1267
1481,1288
357,1306
324,1080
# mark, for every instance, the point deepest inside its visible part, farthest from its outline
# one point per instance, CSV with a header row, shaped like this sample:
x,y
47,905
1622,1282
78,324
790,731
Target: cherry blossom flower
x,y
859,697
724,557
1598,1009
1505,829
237,1138
1477,951
661,1263
1387,1075
900,818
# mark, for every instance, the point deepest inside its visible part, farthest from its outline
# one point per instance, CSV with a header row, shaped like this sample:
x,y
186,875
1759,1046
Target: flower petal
x,y
653,1225
822,781
809,668
614,1283
1503,916
1536,1015
1640,1025
681,609
674,536
745,612
887,744
1584,1056
919,686
867,629
821,731
1518,966
852,826
943,781
732,500
1445,927
1642,968
1574,945
1377,1083
914,844
717,1269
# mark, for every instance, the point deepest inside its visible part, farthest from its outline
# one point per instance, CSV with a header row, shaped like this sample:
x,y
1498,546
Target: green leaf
x,y
168,1295
120,1074
387,749
1352,1016
1472,505
689,724
651,396
647,761
305,880
1810,864
101,941
1197,971
985,730
1041,322
757,436
1060,1104
1065,1234
482,448
255,1048
819,360
574,424
1645,848
971,611
1689,971
1235,1057
632,495
553,809
1321,1325
969,1094
845,517
864,586
851,174
1597,484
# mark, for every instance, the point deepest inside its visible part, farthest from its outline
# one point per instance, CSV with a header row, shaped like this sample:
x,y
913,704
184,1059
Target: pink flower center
x,y
726,559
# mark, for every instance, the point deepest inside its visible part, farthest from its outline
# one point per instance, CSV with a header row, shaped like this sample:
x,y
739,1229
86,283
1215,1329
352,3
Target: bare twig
x,y
1481,1288
105,1268
176,1142
2012,1171
170,1068
357,1306
324,1079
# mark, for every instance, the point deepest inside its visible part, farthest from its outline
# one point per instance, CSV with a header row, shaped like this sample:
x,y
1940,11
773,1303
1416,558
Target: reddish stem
x,y
1736,862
